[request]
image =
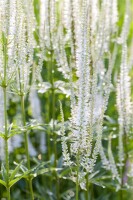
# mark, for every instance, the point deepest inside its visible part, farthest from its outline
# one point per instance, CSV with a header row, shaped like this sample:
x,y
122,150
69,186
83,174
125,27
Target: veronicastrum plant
x,y
92,27
65,50
16,58
122,168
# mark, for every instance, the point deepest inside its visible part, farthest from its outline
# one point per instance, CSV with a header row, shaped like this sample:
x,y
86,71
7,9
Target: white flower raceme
x,y
60,53
124,107
44,29
90,98
16,50
48,24
17,41
24,43
7,37
114,15
124,104
52,40
131,57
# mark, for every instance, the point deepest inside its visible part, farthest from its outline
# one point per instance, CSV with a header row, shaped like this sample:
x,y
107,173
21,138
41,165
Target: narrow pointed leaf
x,y
3,182
3,172
15,171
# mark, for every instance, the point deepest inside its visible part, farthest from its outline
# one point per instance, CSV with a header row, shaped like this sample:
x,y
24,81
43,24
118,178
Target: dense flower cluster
x,y
92,33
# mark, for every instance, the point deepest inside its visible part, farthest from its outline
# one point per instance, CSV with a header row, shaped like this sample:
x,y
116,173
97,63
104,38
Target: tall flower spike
x,y
60,54
17,25
24,45
114,15
131,56
86,122
94,4
67,16
8,36
113,166
65,152
124,104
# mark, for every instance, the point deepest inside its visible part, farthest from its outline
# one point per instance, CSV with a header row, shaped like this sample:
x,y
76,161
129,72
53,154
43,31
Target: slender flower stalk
x,y
24,58
77,178
124,104
5,9
47,37
16,56
87,188
26,145
5,118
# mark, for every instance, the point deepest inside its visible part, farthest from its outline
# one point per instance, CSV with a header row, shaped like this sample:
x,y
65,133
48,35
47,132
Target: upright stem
x,y
8,193
53,108
123,168
53,101
77,188
48,114
53,117
6,143
121,195
87,192
26,145
5,118
77,178
121,192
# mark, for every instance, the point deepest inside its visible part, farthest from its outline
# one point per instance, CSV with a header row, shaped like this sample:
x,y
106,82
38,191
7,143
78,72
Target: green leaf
x,y
15,130
23,168
2,135
10,128
67,171
39,166
41,171
3,172
15,171
3,182
24,175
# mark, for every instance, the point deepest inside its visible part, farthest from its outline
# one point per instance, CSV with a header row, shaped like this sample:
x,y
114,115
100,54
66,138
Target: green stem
x,y
26,144
123,168
53,132
48,113
6,143
121,195
49,74
53,103
5,118
77,188
87,192
53,108
92,192
8,193
55,137
121,173
55,144
77,179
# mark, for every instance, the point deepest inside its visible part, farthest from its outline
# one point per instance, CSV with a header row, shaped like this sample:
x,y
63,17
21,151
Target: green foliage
x,y
38,93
